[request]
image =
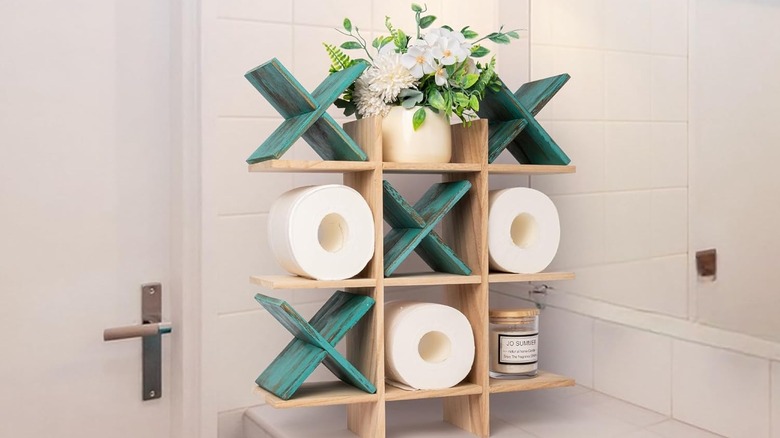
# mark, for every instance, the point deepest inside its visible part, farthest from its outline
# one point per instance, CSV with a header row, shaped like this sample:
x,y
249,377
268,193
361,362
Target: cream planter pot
x,y
431,143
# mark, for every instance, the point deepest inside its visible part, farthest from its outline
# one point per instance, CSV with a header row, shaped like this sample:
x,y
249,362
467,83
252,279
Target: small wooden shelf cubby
x,y
466,405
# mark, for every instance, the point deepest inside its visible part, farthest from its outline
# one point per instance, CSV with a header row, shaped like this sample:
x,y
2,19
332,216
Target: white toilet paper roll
x,y
427,345
322,232
523,230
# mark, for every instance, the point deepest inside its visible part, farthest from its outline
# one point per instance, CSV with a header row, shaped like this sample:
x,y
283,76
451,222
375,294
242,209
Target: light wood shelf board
x,y
529,169
393,393
295,282
430,279
319,394
505,277
543,380
431,167
312,166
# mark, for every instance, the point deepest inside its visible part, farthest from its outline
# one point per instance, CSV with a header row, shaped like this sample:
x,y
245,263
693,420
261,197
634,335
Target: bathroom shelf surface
x,y
295,282
543,380
505,277
529,169
430,279
313,166
430,167
319,394
393,393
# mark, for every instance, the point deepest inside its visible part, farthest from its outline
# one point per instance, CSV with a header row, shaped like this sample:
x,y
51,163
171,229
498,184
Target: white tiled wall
x,y
237,36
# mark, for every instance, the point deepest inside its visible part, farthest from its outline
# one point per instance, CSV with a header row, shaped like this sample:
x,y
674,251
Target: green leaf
x,y
427,21
447,27
461,99
479,51
416,7
377,43
499,38
418,118
469,34
410,97
436,100
470,80
400,39
351,45
338,59
474,102
347,25
514,35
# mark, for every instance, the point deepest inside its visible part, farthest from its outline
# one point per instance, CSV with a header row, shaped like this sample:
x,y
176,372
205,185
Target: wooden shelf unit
x,y
465,229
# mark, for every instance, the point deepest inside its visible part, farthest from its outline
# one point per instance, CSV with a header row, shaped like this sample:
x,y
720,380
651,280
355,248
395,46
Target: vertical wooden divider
x,y
466,229
365,342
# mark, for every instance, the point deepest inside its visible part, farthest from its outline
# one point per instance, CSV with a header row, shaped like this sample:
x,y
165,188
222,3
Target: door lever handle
x,y
150,333
136,331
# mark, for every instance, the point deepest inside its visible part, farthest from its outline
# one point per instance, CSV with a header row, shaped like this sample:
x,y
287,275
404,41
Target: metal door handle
x,y
150,332
136,331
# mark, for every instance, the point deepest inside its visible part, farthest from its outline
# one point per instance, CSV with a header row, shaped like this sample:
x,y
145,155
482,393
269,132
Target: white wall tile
x,y
578,23
240,191
627,86
775,407
583,142
542,65
230,425
582,231
460,13
670,27
566,344
627,25
633,365
541,21
669,88
669,155
721,391
677,429
512,62
275,11
310,60
627,151
331,13
627,224
239,49
582,98
668,292
669,221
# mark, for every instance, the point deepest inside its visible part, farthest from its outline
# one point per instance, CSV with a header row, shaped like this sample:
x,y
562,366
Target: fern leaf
x,y
486,78
338,59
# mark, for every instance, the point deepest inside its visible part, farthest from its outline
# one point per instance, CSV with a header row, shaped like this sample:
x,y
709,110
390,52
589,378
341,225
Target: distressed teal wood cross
x,y
314,343
413,227
512,124
304,113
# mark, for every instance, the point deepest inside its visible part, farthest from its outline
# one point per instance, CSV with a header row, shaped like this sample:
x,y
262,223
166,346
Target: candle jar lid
x,y
509,315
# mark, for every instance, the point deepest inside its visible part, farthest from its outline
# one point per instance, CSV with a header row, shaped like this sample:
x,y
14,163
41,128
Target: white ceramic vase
x,y
430,143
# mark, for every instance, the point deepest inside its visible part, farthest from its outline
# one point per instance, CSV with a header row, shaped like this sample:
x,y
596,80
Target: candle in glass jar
x,y
514,342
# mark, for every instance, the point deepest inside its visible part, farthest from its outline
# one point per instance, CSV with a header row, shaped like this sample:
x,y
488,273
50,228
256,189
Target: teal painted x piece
x,y
304,113
513,126
413,227
314,343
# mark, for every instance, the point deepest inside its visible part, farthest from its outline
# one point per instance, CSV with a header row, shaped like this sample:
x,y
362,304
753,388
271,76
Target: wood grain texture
x,y
413,227
541,381
430,279
304,113
319,394
531,144
466,228
314,343
365,343
529,169
311,166
393,393
435,168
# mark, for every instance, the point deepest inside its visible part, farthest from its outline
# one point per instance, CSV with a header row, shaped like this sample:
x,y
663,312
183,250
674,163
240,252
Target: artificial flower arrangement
x,y
435,69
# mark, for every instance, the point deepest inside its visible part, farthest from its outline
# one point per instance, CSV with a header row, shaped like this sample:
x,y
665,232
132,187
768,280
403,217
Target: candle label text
x,y
518,349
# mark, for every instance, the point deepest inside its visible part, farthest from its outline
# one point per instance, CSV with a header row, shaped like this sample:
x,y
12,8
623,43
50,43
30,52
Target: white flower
x,y
448,51
380,85
435,34
387,77
441,75
419,61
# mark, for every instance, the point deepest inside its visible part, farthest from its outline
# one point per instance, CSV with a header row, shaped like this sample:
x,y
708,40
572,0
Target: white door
x,y
85,194
735,183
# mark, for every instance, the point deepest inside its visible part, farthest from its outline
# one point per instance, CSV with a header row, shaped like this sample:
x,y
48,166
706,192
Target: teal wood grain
x,y
304,113
314,343
531,144
413,227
